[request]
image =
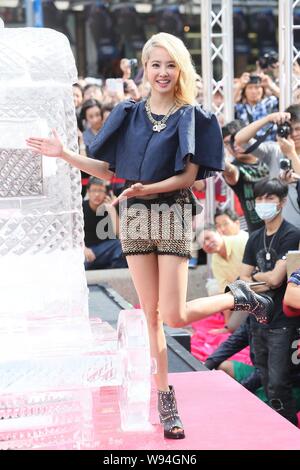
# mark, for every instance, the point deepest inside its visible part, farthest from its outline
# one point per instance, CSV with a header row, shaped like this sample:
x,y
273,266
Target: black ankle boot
x,y
168,414
245,300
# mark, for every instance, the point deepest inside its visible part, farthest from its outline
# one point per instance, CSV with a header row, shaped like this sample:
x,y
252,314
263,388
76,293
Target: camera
x,y
254,80
133,64
285,164
284,130
268,60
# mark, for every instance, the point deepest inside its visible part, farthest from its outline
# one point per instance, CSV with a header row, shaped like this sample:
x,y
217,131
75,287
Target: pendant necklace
x,y
158,126
267,250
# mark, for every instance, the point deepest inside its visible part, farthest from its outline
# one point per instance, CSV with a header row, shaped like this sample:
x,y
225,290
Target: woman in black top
x,y
160,147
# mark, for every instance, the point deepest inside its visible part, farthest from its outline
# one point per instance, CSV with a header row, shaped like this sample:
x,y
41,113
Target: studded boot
x,y
168,414
245,300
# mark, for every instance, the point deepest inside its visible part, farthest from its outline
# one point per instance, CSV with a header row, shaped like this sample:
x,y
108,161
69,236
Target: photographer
x,y
129,70
253,103
289,137
288,143
249,167
125,69
269,65
289,176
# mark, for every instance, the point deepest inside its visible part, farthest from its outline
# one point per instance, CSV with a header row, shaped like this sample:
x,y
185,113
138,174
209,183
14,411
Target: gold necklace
x,y
158,125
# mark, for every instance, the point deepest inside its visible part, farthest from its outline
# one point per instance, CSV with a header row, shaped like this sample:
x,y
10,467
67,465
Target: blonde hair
x,y
185,91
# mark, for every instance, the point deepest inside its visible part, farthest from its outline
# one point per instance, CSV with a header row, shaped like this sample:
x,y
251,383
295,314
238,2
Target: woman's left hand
x,y
135,190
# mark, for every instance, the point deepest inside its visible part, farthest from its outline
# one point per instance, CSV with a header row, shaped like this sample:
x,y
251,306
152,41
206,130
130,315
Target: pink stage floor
x,y
217,412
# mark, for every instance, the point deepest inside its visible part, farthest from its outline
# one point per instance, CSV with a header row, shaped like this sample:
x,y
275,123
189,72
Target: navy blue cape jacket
x,y
137,153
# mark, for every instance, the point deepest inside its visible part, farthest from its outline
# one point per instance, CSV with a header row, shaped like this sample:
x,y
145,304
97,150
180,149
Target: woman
x,y
254,104
92,115
160,147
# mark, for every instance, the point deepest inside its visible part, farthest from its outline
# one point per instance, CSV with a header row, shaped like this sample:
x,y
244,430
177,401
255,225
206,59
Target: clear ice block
x,y
135,363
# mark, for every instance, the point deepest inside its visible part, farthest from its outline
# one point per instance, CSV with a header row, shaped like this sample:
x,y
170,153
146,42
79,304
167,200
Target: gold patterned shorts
x,y
162,225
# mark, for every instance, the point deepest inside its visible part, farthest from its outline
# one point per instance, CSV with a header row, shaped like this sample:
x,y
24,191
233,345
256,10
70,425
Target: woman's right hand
x,y
135,190
244,79
51,147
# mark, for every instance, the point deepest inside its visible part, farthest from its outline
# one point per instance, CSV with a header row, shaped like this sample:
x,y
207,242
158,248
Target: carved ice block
x,y
51,355
41,225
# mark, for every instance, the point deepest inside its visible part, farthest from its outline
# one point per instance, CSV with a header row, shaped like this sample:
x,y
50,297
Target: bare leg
x,y
144,273
173,278
174,310
205,306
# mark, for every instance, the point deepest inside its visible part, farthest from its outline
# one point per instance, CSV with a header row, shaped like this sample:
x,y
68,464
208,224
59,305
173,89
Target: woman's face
x,y
94,118
93,93
77,96
254,93
162,72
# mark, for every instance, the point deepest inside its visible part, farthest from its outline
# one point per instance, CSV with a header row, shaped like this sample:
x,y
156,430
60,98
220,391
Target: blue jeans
x,y
273,358
108,255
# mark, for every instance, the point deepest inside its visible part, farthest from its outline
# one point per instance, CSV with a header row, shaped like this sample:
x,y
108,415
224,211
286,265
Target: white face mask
x,y
266,210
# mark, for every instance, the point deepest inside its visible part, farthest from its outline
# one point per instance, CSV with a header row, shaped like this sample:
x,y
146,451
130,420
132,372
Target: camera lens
x,y
285,164
133,62
268,59
284,130
263,63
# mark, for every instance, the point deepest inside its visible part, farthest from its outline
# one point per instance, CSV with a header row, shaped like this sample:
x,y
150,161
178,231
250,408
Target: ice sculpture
x,y
51,356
